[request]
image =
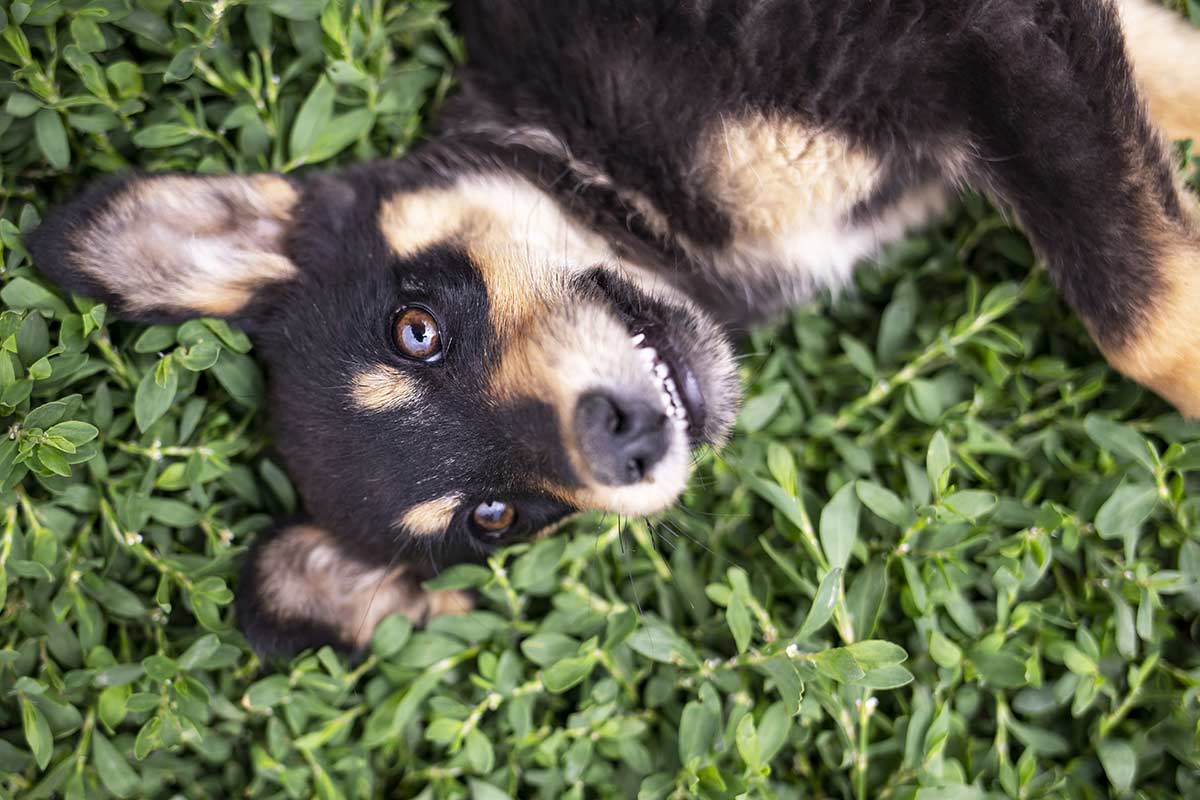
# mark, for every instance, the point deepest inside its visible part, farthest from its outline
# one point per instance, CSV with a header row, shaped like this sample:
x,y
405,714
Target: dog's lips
x,y
679,388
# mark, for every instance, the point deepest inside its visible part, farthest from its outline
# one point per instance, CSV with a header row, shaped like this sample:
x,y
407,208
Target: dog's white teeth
x,y
668,390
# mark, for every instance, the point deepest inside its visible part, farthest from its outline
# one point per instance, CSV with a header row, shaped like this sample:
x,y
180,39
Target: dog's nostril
x,y
635,469
620,439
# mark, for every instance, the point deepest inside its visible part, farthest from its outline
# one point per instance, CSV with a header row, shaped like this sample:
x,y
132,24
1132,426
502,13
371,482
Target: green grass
x,y
948,555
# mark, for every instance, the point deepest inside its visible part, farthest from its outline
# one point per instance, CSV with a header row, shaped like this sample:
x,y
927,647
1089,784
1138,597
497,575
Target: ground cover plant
x,y
948,555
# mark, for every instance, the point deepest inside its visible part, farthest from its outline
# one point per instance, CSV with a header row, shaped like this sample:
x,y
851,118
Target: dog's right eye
x,y
493,518
416,333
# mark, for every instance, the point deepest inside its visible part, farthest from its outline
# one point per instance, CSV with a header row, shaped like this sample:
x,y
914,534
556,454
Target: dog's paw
x,y
1163,354
301,589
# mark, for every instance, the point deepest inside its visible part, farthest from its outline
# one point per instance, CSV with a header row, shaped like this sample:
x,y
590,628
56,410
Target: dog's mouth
x,y
679,389
685,354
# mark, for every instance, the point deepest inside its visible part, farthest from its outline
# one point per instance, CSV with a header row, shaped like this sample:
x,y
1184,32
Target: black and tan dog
x,y
526,317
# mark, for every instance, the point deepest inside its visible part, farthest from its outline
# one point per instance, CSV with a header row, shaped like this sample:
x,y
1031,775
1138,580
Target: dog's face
x,y
453,363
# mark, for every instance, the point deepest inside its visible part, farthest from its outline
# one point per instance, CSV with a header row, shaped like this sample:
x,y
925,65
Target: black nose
x,y
621,439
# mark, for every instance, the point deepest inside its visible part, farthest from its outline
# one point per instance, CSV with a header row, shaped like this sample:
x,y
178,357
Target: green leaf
x,y
1125,510
938,463
943,651
787,682
1120,440
314,116
884,503
115,773
971,504
153,398
391,635
697,728
738,618
823,604
22,293
839,664
51,138
839,526
876,653
486,791
567,673
660,643
37,733
1120,763
479,752
892,676
547,648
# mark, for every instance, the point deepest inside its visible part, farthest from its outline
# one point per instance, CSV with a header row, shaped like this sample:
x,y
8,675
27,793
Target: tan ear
x,y
171,246
302,589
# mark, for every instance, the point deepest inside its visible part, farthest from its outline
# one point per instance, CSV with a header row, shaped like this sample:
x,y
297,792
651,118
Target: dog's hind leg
x,y
1057,130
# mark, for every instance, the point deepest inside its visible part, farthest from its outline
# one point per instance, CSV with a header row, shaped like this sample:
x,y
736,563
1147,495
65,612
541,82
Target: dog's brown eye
x,y
494,517
417,335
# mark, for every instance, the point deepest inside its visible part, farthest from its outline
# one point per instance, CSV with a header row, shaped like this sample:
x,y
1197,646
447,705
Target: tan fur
x,y
305,576
568,351
201,245
431,517
1166,354
789,190
1165,51
384,388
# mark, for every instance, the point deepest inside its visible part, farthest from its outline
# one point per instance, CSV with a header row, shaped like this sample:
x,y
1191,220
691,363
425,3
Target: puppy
x,y
526,317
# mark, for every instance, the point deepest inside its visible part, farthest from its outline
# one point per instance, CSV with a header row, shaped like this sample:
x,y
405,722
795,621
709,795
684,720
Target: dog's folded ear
x,y
166,247
300,589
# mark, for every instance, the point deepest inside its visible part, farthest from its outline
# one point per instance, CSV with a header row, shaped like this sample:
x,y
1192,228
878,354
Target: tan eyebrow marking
x,y
431,516
384,388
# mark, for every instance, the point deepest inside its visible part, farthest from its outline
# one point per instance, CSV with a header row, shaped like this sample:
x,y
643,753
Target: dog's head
x,y
453,362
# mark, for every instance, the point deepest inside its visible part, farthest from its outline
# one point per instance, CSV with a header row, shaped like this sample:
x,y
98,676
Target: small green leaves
x,y
155,392
1029,534
37,732
115,773
697,727
1120,763
839,526
51,138
567,673
822,606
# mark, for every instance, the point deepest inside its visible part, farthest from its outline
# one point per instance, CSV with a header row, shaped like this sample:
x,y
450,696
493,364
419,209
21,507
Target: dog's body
x,y
615,182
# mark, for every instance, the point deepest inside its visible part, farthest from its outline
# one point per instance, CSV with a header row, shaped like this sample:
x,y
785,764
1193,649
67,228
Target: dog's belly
x,y
805,207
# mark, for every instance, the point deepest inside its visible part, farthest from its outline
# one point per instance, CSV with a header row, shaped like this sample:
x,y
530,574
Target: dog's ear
x,y
300,588
166,247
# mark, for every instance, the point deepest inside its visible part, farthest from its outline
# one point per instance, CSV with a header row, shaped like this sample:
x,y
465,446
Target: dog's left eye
x,y
417,334
494,517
